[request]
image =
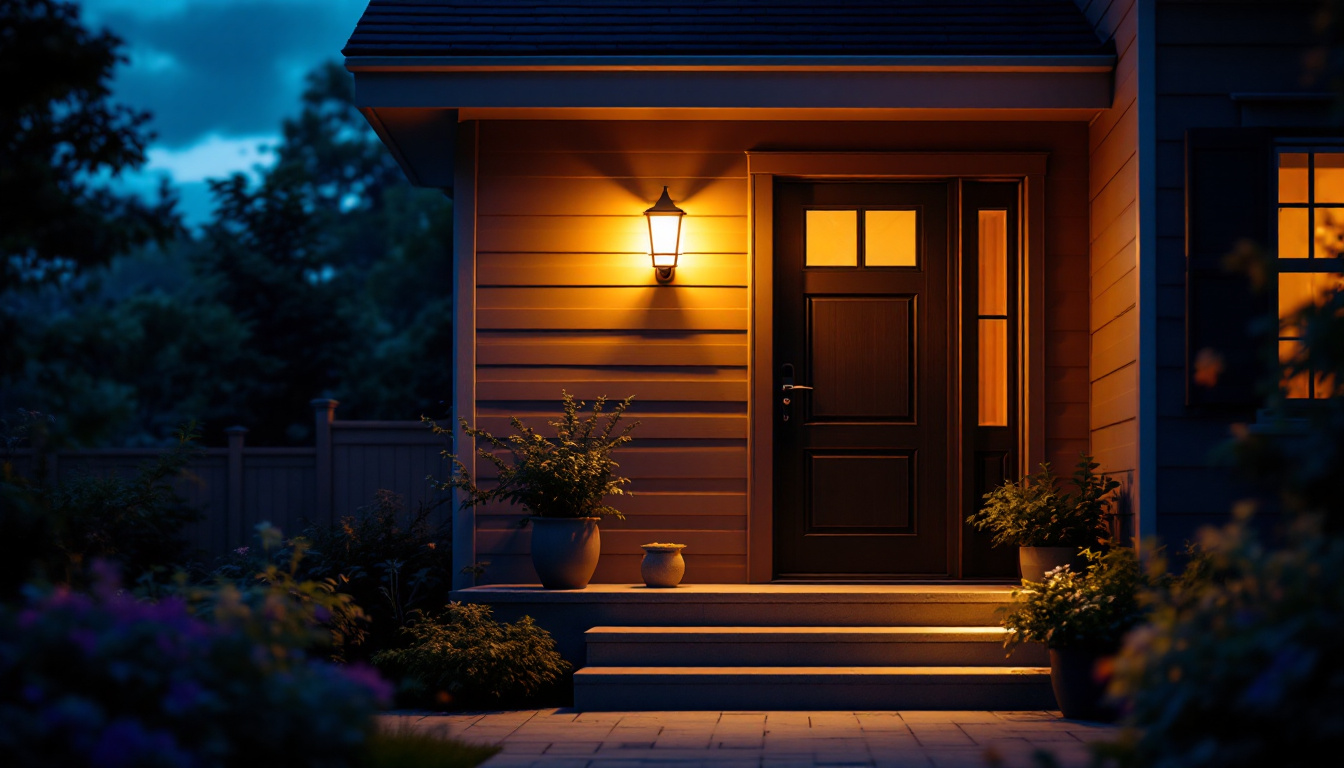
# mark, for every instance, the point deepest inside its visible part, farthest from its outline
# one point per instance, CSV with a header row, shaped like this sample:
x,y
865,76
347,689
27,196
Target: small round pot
x,y
1079,677
565,550
662,566
1036,561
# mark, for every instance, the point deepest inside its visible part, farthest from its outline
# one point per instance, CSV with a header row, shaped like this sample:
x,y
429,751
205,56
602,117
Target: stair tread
x,y
683,633
890,671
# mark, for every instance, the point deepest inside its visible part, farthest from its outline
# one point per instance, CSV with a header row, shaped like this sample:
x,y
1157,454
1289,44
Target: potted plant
x,y
663,565
563,483
1049,527
1081,617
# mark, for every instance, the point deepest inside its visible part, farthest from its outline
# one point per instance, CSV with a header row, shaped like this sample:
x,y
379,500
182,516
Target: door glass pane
x,y
993,241
993,406
832,239
889,238
1293,233
1293,178
1330,177
1329,233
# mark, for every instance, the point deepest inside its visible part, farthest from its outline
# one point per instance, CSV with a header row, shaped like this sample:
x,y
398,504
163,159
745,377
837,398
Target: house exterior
x,y
976,236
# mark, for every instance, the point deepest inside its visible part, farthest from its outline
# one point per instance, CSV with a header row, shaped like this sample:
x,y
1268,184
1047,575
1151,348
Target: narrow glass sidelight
x,y
992,316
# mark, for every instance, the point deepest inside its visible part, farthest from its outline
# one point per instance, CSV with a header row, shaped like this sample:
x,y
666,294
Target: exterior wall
x,y
1113,216
1206,52
565,298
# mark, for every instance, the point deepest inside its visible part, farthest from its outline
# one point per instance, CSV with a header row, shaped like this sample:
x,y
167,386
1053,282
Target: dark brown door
x,y
861,400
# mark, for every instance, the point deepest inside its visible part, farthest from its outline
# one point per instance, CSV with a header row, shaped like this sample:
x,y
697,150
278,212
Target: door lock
x,y
787,387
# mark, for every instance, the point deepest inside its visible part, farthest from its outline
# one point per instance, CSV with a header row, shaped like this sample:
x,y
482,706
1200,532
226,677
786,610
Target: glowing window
x,y
1310,244
832,239
889,238
992,316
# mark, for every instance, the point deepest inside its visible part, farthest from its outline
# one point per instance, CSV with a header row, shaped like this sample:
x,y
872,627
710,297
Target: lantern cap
x,y
665,206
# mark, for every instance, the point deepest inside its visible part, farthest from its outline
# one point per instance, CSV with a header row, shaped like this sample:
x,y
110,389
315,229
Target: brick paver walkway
x,y
565,738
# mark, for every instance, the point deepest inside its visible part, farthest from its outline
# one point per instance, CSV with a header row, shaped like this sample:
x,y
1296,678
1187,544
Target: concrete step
x,y
783,688
567,614
805,646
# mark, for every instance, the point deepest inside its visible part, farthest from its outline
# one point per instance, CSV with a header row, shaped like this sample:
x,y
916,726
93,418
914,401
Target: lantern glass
x,y
664,238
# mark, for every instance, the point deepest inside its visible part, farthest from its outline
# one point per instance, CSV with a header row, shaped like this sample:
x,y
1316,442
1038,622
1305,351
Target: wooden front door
x,y
861,381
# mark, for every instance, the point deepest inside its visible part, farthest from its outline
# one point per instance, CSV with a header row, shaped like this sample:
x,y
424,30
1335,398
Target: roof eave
x,y
737,63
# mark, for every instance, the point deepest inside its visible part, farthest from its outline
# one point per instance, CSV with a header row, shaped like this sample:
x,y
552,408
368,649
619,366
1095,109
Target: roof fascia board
x,y
1058,63
761,89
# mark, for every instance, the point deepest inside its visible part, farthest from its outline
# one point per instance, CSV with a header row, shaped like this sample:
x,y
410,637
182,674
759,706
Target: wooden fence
x,y
239,487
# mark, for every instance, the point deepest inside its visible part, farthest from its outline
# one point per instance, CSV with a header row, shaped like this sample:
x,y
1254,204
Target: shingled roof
x,y
475,28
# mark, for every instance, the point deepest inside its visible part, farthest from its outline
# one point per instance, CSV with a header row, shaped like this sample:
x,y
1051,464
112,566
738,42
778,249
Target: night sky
x,y
218,75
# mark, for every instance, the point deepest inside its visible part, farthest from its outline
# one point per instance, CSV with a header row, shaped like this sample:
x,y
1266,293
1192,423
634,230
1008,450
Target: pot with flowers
x,y
1048,526
563,483
1081,617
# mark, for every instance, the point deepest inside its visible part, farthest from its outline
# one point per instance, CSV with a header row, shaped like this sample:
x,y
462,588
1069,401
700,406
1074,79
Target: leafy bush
x,y
274,603
1240,664
464,656
1033,512
390,568
566,477
52,532
106,679
1092,609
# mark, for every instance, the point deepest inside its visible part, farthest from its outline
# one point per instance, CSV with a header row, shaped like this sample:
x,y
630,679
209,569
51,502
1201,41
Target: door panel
x,y
861,465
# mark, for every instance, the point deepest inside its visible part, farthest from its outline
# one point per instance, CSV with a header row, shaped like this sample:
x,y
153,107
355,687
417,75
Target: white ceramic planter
x,y
662,566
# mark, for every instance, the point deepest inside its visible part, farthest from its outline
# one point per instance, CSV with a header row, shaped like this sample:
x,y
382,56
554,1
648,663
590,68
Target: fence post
x,y
233,521
324,412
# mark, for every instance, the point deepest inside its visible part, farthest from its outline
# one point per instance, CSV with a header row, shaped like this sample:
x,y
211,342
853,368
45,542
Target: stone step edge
x,y
773,634
913,675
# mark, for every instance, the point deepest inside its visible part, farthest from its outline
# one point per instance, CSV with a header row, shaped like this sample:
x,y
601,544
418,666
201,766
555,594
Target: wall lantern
x,y
664,235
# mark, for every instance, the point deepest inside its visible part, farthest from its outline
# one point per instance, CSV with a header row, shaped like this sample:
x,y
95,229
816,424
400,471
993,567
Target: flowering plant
x,y
106,679
1092,609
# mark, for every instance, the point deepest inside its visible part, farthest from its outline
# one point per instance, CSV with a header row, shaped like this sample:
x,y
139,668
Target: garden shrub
x,y
52,532
392,562
1240,663
464,656
105,679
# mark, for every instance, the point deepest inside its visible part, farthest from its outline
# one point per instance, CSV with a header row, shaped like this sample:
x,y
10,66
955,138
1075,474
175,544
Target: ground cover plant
x,y
462,656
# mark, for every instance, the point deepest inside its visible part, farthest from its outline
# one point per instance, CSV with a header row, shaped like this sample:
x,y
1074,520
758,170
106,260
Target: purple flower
x,y
368,678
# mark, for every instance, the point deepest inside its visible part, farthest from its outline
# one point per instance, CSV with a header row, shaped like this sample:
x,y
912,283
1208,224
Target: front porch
x,y
783,645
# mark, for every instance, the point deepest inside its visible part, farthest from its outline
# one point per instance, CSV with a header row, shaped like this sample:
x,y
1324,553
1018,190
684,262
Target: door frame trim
x,y
1029,168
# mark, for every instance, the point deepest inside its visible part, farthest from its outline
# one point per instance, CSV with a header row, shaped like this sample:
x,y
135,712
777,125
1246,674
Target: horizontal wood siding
x,y
1207,51
1113,141
566,299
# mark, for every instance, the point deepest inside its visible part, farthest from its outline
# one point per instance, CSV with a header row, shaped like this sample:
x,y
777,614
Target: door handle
x,y
787,387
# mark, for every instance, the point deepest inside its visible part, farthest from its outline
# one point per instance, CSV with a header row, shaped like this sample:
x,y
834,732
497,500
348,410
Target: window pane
x,y
1293,178
1293,233
993,406
1295,387
1329,177
993,262
1298,289
832,238
889,239
1329,233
